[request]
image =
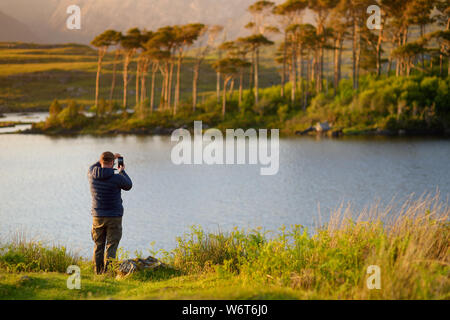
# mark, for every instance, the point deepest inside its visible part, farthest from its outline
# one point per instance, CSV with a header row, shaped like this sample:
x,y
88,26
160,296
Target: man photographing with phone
x,y
107,208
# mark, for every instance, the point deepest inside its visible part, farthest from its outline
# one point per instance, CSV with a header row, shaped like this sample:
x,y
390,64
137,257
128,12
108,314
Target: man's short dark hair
x,y
107,157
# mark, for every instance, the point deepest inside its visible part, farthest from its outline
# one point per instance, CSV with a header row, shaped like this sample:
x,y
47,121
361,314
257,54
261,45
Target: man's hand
x,y
121,168
116,155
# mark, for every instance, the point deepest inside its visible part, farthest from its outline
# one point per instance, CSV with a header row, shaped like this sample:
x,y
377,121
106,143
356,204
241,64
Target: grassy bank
x,y
409,242
416,105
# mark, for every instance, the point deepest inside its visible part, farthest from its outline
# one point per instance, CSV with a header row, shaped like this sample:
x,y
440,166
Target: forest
x,y
385,79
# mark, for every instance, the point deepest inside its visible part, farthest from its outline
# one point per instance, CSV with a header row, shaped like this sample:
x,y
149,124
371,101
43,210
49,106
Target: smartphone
x,y
120,162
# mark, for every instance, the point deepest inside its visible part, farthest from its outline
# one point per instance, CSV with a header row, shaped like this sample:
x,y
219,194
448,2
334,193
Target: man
x,y
107,209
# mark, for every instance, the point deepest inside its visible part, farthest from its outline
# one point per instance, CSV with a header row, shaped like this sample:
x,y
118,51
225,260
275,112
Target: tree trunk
x,y
164,83
231,89
101,54
224,95
138,72
125,80
152,94
169,98
218,86
358,58
422,56
143,87
194,86
300,67
336,63
378,51
354,53
161,98
408,67
389,65
252,73
305,101
283,75
320,71
111,93
293,76
257,76
340,60
319,75
405,41
177,89
241,83
448,67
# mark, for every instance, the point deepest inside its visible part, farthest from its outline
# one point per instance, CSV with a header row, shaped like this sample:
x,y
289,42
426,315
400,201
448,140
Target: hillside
x,y
13,30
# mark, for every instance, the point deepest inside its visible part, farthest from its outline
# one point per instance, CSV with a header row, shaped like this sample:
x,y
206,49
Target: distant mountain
x,y
48,17
14,30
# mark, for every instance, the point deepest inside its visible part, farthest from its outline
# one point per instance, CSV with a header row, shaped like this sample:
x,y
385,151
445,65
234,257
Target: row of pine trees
x,y
340,25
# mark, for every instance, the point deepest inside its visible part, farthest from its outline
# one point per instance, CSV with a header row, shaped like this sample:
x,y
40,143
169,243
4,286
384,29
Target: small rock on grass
x,y
24,279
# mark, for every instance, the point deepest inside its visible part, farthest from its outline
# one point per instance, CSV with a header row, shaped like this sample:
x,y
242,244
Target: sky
x,y
46,19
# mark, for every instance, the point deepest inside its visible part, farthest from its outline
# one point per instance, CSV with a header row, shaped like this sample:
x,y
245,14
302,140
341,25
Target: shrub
x,y
29,256
283,112
409,242
70,117
55,108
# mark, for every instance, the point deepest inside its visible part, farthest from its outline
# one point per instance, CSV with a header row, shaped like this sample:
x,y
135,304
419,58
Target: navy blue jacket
x,y
106,190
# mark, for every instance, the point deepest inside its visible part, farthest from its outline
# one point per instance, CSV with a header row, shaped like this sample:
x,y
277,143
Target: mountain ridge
x,y
48,17
12,29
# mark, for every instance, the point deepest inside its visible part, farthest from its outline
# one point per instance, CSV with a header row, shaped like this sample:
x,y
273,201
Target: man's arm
x,y
124,181
93,167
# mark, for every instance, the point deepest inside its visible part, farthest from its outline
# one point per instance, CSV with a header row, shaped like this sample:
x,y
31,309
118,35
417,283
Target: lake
x,y
45,191
28,118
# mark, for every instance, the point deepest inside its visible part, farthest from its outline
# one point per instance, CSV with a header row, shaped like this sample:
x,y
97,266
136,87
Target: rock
x,y
24,279
129,266
75,91
336,133
305,131
158,130
322,126
384,132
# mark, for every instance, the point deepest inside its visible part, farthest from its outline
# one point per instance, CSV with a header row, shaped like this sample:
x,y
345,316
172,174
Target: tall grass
x,y
410,244
21,254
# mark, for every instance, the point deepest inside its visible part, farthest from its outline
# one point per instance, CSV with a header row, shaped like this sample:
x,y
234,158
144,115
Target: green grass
x,y
409,242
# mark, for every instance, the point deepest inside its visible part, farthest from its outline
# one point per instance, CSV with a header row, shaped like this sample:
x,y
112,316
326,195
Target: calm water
x,y
22,117
45,192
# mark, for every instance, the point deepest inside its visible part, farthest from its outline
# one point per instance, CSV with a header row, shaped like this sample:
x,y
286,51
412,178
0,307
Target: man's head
x,y
107,159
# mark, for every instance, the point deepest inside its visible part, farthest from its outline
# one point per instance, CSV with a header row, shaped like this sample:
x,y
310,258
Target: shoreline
x,y
158,131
